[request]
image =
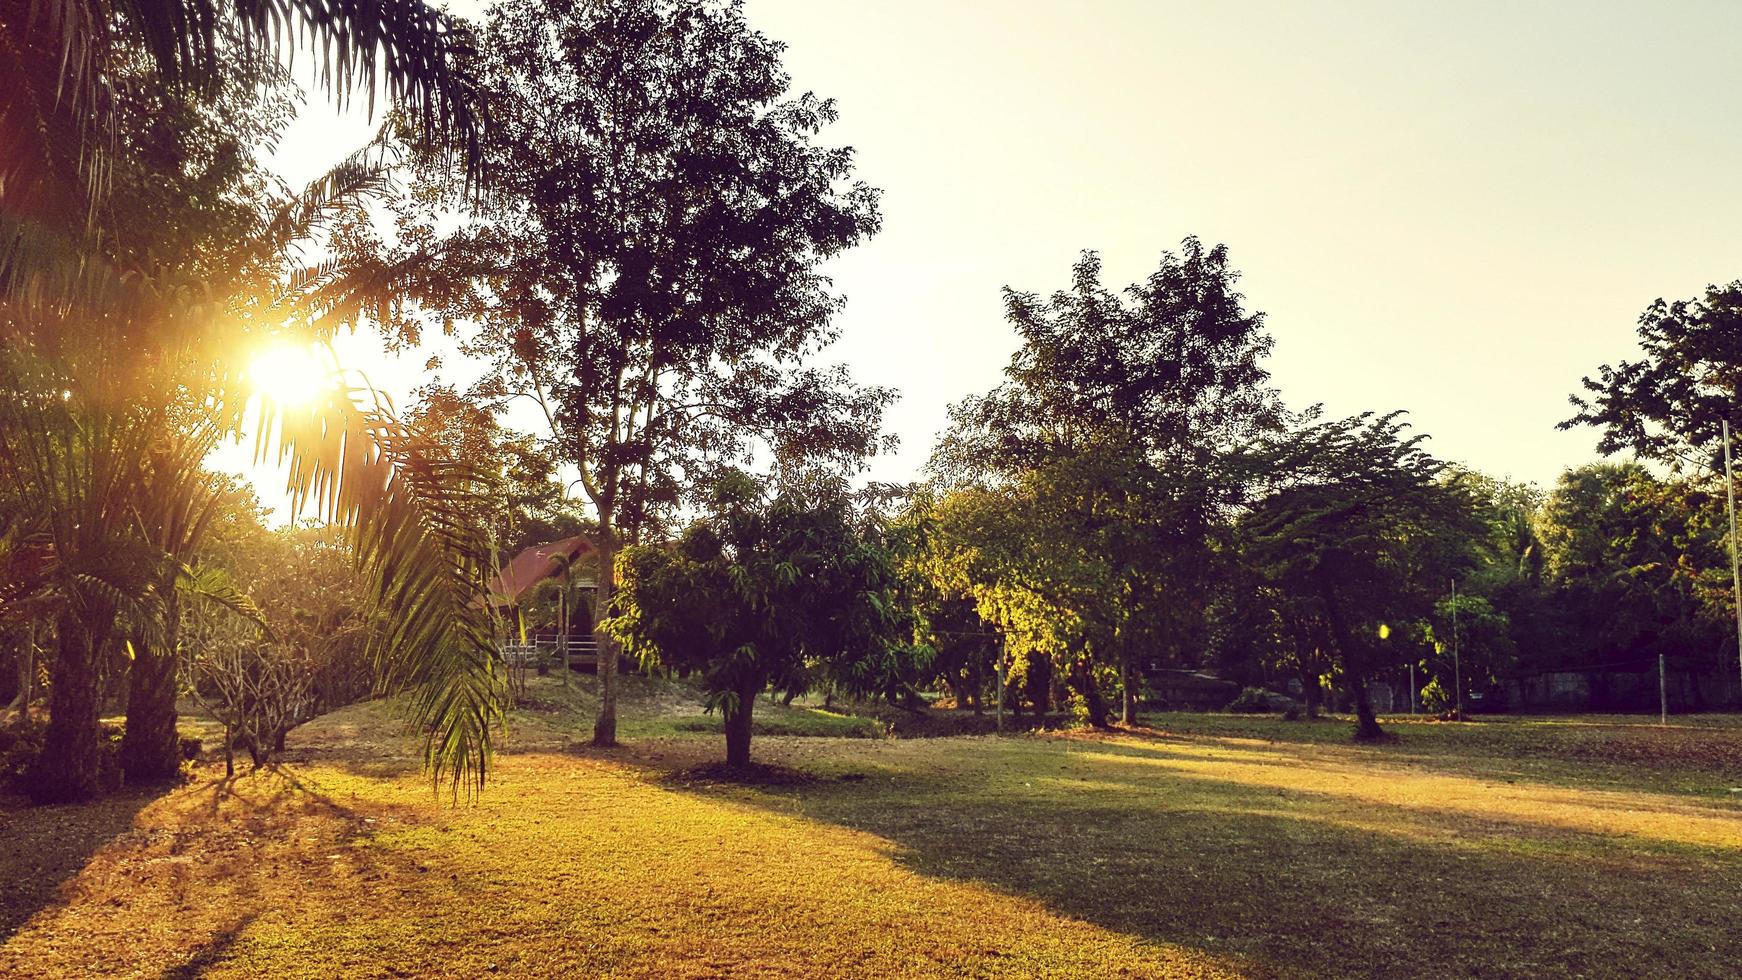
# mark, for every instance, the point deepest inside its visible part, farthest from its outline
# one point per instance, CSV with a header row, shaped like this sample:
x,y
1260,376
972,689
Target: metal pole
x,y
1735,576
1662,694
1457,666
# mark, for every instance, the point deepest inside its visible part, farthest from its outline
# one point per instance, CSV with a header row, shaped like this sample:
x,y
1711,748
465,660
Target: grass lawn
x,y
1205,846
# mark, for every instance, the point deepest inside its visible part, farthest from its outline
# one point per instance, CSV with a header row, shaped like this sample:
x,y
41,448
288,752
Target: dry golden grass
x,y
1138,854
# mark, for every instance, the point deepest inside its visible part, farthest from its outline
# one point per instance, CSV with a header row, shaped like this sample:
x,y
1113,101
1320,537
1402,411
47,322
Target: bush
x,y
1252,701
109,773
19,747
1434,698
1292,714
190,747
1077,709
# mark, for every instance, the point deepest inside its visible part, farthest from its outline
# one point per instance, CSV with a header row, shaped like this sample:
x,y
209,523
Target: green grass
x,y
1210,845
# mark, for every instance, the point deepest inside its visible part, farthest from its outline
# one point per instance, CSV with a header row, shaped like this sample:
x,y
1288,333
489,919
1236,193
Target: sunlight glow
x,y
289,375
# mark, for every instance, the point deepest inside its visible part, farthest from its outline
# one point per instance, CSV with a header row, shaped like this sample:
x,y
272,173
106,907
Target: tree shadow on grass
x,y
42,847
1299,881
178,888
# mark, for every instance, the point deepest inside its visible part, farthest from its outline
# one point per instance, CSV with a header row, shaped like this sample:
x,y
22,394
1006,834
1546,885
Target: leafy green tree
x,y
758,592
1063,580
963,647
645,271
1359,532
1670,405
1638,566
1116,414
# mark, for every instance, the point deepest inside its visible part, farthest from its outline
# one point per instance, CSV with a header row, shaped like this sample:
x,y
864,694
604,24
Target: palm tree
x,y
111,397
60,119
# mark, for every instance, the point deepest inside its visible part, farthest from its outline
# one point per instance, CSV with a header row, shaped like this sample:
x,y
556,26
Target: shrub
x,y
1435,698
1252,700
1077,709
190,747
109,773
19,746
1292,714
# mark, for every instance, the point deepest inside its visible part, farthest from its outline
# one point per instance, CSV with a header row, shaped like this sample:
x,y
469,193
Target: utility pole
x,y
1735,576
1662,695
1457,666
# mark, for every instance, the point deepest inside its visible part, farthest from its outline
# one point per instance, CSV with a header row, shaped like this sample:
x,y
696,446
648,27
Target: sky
x,y
1459,216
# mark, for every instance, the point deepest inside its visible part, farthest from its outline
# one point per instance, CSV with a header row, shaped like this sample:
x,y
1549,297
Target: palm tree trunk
x,y
605,725
150,751
70,767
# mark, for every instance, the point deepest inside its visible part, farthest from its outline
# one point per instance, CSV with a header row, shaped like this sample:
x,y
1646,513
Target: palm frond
x,y
213,585
60,59
408,508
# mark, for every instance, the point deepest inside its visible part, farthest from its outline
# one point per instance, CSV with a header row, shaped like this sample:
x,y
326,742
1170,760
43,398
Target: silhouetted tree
x,y
1669,406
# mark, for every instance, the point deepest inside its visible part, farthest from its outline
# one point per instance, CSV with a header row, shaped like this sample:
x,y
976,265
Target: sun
x,y
289,375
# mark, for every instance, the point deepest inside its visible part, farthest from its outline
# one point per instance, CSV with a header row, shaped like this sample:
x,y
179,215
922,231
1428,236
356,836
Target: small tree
x,y
760,592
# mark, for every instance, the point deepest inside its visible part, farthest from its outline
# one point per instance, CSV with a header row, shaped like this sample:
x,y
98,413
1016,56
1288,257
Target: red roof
x,y
534,565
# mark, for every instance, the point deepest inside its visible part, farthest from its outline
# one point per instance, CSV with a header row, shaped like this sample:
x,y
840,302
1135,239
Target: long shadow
x,y
1298,882
212,951
42,847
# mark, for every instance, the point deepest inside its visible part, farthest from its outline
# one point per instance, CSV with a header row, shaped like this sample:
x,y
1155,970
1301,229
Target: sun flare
x,y
289,375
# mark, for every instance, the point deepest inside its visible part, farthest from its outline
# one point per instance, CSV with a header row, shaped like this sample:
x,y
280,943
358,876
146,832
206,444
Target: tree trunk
x,y
26,672
1366,724
70,767
605,726
1039,677
738,727
229,751
1128,707
149,749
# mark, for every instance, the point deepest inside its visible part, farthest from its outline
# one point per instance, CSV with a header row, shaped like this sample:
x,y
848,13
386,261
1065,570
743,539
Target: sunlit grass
x,y
1152,854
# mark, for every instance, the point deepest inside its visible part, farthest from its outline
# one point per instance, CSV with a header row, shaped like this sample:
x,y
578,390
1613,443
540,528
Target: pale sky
x,y
1455,210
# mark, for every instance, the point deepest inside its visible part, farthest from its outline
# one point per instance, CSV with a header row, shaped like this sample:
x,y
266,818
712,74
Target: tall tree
x,y
1359,531
1129,402
646,272
1670,405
